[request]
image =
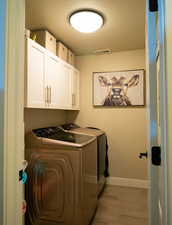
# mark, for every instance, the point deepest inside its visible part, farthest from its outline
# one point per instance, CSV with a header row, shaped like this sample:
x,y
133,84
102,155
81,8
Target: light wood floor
x,y
122,206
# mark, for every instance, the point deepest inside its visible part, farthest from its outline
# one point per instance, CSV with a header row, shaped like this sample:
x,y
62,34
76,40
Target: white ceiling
x,y
123,29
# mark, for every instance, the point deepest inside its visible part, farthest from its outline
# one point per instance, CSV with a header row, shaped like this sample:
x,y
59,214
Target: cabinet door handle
x,y
49,100
46,94
50,94
73,99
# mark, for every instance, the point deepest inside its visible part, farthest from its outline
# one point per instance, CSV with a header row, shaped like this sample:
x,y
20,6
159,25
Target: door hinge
x,y
156,155
153,5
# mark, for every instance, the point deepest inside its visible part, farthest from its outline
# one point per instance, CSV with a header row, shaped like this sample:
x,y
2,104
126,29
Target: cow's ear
x,y
133,81
103,81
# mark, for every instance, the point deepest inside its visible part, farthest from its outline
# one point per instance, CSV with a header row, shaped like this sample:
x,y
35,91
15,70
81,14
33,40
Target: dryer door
x,y
50,189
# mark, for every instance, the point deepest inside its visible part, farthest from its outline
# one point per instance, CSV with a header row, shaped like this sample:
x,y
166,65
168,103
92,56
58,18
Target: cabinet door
x,y
52,68
57,83
65,89
75,89
34,95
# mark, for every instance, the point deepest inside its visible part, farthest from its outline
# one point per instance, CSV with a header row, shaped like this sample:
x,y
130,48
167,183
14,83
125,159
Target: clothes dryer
x,y
102,157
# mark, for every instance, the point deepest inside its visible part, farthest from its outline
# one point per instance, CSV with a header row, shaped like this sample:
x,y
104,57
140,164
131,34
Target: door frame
x,y
13,98
12,71
2,100
163,204
168,69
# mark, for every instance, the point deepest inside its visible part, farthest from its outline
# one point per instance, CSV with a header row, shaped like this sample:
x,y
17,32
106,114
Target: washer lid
x,y
56,133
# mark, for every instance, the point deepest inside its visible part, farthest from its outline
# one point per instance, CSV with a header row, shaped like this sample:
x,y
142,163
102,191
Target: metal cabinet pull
x,y
73,99
50,94
49,99
46,94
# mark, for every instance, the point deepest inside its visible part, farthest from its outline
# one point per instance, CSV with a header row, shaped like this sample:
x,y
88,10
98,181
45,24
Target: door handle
x,y
143,154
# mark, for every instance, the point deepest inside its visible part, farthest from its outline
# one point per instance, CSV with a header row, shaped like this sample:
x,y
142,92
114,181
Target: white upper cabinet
x,y
50,82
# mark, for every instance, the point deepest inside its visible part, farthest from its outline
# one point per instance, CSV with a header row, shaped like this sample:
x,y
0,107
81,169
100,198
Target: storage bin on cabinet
x,y
44,38
61,51
71,57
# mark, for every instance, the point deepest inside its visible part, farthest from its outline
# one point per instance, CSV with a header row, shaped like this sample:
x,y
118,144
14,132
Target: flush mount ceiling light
x,y
86,21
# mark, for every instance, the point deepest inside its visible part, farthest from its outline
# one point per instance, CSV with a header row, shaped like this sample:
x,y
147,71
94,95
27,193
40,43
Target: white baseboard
x,y
126,182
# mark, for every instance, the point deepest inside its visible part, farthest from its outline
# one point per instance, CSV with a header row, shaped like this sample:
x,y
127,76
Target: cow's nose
x,y
116,90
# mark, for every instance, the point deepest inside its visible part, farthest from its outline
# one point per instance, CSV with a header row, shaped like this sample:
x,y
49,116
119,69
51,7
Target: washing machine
x,y
62,177
102,147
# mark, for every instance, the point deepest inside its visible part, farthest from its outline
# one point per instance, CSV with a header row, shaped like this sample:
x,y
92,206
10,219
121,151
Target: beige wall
x,y
36,118
126,128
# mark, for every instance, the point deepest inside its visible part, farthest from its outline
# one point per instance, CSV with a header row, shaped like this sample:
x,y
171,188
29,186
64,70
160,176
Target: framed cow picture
x,y
120,88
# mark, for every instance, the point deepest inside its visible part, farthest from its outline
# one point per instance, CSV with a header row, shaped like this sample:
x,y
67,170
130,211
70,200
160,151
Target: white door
x,y
35,75
2,105
157,113
12,25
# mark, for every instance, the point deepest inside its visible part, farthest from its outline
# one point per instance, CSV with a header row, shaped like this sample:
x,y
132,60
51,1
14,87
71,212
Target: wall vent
x,y
102,51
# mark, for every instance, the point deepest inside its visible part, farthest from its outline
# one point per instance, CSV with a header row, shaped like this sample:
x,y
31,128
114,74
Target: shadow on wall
x,y
71,116
37,118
